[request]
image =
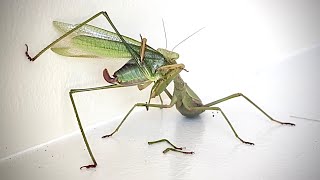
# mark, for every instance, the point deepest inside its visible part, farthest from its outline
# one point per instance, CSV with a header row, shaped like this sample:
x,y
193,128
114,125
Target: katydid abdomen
x,y
127,75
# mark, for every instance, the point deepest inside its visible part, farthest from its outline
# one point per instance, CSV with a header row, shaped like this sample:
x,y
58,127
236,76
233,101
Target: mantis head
x,y
170,56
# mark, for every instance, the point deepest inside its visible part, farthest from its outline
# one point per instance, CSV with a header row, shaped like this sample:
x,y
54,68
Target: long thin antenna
x,y
308,119
187,38
165,33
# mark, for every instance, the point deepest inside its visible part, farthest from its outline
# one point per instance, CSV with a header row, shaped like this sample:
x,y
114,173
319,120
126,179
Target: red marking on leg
x,y
108,78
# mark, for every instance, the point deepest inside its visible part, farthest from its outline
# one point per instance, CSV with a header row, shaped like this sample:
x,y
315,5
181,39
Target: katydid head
x,y
170,56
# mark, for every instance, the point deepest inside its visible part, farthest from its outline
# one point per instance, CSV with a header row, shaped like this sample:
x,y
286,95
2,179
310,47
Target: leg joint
x,y
72,91
141,104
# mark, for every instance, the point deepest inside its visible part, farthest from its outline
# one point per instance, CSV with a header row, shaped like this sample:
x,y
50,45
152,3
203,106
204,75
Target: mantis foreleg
x,y
168,72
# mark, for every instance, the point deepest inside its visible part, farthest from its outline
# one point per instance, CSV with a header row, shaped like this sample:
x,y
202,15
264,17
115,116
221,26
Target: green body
x,y
93,42
185,98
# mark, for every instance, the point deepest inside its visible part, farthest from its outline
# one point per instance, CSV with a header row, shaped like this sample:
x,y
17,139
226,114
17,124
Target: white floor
x,y
280,152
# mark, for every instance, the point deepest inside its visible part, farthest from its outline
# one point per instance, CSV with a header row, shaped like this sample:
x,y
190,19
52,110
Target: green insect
x,y
146,66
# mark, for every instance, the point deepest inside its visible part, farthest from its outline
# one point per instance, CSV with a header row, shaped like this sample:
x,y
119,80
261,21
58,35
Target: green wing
x,y
94,42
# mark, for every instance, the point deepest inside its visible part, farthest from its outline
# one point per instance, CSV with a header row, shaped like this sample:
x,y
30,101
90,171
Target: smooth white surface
x,y
241,38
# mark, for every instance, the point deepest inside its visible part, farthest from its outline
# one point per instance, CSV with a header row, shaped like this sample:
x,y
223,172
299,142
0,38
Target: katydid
x,y
146,66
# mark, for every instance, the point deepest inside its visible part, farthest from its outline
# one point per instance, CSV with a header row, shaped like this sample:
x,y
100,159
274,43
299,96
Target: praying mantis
x,y
146,66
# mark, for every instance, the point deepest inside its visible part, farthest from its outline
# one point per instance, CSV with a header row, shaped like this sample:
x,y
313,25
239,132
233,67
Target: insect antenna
x,y
165,33
187,38
308,119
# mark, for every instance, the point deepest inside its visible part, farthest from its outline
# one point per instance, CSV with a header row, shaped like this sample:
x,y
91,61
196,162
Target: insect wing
x,y
93,42
92,31
87,46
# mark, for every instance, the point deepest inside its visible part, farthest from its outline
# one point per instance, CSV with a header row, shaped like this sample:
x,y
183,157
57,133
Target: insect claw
x,y
250,143
147,106
27,54
89,166
108,135
284,123
290,124
188,152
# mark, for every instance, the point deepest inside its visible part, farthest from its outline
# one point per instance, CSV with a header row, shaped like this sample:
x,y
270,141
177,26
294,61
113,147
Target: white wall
x,y
240,38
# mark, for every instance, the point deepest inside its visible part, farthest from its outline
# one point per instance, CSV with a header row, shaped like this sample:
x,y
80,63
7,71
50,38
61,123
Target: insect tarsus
x,y
27,54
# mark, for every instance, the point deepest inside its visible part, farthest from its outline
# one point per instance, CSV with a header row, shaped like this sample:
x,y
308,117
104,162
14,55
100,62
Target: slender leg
x,y
142,48
161,101
177,150
60,38
168,93
72,91
240,94
174,148
204,108
139,105
143,86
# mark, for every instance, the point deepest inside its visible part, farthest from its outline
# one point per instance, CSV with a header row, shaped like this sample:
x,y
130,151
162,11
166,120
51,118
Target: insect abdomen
x,y
130,74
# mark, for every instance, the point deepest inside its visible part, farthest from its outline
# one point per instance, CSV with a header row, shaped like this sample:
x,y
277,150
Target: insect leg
x,y
145,85
61,37
168,73
142,47
71,92
140,105
205,108
168,93
134,54
245,97
174,148
161,101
